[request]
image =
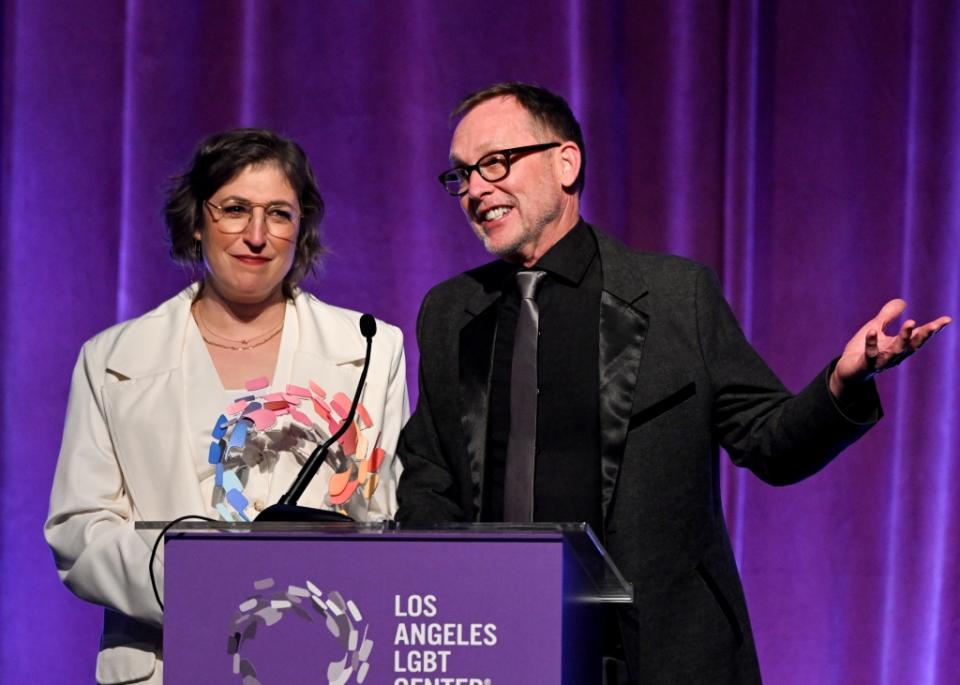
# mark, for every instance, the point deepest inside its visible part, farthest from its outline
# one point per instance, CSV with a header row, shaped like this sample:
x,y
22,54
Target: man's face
x,y
521,216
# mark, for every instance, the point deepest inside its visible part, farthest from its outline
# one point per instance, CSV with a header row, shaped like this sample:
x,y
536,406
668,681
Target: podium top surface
x,y
609,584
500,530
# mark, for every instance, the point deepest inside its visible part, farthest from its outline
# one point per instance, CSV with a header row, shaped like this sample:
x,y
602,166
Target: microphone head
x,y
368,326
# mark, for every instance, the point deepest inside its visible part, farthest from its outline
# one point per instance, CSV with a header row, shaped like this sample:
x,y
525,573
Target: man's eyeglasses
x,y
233,216
491,167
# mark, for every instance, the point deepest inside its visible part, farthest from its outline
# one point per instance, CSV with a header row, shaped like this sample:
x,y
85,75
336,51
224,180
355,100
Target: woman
x,y
210,403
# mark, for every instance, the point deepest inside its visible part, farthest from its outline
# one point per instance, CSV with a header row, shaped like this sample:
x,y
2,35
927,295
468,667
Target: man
x,y
640,374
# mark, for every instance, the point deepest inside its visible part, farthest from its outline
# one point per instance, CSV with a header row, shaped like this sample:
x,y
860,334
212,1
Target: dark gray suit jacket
x,y
677,381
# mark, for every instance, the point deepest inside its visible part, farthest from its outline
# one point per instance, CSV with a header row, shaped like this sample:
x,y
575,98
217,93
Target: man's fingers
x,y
871,348
938,324
883,352
890,311
923,333
906,333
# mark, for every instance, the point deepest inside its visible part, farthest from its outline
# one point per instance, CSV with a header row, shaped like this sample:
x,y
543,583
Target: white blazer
x,y
117,467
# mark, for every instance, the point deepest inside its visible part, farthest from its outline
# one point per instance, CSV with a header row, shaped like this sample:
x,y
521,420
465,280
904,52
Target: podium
x,y
482,604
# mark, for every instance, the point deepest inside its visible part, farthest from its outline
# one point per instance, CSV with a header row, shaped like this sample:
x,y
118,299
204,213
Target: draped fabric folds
x,y
808,151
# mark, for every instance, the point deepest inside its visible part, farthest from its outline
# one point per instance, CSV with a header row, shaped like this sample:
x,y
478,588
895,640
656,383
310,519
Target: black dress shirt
x,y
567,479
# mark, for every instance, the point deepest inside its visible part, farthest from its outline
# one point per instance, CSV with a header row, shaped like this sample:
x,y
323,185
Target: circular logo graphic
x,y
269,605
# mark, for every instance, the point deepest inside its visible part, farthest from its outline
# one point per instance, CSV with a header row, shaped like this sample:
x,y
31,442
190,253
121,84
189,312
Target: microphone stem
x,y
318,456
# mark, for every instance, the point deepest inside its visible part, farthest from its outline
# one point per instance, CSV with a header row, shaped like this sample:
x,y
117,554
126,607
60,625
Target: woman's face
x,y
249,266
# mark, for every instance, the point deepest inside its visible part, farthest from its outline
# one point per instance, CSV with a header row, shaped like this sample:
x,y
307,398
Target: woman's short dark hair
x,y
220,158
548,109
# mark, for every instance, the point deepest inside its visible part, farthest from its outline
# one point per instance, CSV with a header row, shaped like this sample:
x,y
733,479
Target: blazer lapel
x,y
476,360
158,475
321,336
330,351
143,391
328,333
623,330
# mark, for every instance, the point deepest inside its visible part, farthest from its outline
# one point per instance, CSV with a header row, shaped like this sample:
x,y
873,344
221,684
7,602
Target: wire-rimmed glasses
x,y
234,215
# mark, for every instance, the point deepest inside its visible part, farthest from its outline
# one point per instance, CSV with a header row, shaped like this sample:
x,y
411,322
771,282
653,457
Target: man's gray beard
x,y
513,248
503,251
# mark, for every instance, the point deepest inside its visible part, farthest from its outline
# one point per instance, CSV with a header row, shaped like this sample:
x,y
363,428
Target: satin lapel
x,y
476,360
623,330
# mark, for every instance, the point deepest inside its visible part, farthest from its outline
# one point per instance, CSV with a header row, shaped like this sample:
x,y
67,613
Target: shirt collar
x,y
570,258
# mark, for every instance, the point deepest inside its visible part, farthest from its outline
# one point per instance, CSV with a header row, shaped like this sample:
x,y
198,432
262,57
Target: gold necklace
x,y
240,345
243,348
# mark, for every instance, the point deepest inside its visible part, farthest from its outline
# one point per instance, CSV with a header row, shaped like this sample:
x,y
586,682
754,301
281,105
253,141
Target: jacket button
x,y
259,505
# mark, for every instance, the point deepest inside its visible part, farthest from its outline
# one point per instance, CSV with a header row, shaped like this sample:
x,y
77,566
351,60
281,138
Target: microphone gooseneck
x,y
286,509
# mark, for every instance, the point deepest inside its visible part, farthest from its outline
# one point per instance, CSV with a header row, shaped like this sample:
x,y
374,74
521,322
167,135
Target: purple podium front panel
x,y
398,609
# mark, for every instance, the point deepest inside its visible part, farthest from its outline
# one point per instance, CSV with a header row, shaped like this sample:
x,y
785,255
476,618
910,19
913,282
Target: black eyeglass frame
x,y
463,172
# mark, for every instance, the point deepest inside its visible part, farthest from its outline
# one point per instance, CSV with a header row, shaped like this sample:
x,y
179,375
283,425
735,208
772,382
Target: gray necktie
x,y
522,443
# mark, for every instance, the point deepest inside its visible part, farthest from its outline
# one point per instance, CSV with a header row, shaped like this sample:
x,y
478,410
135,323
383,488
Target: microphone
x,y
368,326
287,508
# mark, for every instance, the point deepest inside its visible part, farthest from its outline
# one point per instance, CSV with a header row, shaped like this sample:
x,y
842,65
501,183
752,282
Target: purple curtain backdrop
x,y
807,151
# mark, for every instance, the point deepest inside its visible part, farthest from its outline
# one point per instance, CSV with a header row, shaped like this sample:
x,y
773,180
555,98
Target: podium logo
x,y
269,605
